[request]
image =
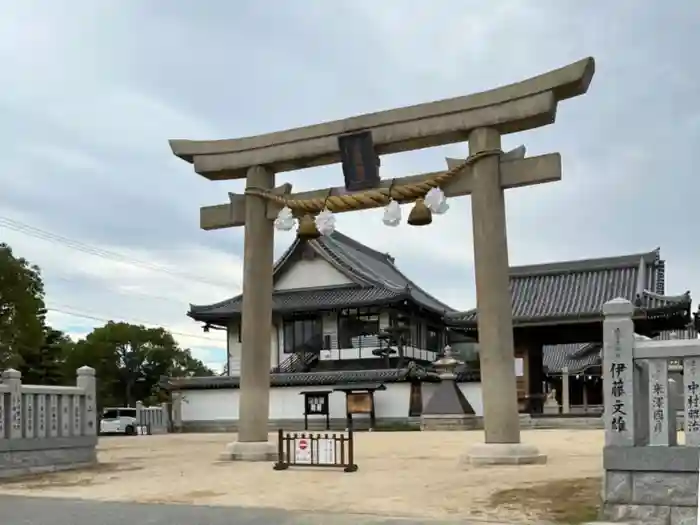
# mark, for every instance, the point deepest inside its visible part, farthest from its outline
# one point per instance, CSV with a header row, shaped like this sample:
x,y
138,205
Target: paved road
x,y
45,511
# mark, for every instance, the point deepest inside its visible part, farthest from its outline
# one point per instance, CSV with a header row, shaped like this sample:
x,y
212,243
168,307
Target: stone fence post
x,y
177,399
165,410
13,379
139,413
625,383
618,373
86,381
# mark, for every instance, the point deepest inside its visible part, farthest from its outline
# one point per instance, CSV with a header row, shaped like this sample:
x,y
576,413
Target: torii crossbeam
x,y
481,119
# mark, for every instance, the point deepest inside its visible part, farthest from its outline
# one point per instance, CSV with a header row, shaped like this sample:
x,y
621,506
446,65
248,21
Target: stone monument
x,y
481,119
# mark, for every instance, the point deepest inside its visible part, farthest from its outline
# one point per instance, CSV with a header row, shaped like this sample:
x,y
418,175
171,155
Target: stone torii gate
x,y
481,119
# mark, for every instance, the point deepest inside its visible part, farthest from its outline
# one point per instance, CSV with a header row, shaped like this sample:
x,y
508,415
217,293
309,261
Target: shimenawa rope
x,y
373,198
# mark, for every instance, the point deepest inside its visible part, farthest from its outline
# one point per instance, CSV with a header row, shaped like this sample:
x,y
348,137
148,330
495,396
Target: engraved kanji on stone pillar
x,y
662,428
618,373
691,391
53,415
13,380
64,414
86,381
41,416
77,419
29,415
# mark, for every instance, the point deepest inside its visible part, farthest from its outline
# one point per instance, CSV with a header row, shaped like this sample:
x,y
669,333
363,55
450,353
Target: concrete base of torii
x,y
486,454
249,451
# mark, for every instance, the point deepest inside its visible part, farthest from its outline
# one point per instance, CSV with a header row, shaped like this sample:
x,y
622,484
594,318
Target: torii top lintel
x,y
516,107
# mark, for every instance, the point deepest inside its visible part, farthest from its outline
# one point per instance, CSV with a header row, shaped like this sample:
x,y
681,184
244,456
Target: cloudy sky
x,y
91,92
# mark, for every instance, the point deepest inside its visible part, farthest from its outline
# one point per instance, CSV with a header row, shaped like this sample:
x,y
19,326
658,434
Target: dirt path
x,y
416,474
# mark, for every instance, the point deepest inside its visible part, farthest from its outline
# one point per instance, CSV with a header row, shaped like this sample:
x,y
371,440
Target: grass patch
x,y
566,501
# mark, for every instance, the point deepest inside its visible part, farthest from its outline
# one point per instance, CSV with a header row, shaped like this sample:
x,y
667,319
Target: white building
x,y
345,316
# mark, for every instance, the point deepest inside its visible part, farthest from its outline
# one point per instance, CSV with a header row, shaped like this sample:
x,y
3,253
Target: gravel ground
x,y
417,475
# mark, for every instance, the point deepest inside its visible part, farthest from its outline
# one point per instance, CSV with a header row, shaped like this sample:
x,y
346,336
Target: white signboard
x,y
519,367
302,452
325,451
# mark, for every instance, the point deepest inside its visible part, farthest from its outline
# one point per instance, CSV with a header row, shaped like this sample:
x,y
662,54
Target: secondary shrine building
x,y
345,318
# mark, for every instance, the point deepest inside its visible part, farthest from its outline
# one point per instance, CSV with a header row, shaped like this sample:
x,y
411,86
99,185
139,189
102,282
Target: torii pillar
x,y
482,118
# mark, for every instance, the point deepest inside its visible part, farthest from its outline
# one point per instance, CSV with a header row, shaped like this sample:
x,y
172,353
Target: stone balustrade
x,y
156,418
650,475
46,428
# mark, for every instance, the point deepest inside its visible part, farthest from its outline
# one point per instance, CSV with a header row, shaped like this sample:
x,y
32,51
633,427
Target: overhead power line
x,y
69,310
138,293
38,233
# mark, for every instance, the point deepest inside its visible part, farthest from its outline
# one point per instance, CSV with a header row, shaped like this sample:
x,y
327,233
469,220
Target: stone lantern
x,y
447,364
448,408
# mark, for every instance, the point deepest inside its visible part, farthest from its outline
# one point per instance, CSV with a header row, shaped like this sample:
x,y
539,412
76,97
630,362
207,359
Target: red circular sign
x,y
302,444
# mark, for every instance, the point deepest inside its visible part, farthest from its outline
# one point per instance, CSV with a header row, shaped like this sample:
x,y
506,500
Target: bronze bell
x,y
420,214
307,229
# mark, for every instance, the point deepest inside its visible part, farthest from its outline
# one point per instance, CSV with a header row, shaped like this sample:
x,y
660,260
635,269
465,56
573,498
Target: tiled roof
x,y
547,293
578,357
375,280
330,377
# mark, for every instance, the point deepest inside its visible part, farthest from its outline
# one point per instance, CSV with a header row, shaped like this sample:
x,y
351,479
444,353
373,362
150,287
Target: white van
x,y
118,421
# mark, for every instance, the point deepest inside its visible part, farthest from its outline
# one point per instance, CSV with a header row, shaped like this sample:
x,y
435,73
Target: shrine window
x,y
416,333
358,329
433,339
302,335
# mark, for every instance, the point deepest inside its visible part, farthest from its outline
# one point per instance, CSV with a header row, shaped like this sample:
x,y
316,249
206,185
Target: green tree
x,y
46,365
130,361
22,309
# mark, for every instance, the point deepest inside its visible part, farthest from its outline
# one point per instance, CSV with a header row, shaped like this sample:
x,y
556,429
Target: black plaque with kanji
x,y
316,403
360,161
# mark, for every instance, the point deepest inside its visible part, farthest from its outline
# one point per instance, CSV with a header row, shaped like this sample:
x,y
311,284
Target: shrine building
x,y
346,319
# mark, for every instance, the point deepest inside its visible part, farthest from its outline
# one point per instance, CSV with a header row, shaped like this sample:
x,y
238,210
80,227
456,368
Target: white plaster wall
x,y
234,349
310,274
472,391
288,403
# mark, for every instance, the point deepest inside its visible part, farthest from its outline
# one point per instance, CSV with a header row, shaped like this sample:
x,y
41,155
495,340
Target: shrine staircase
x,y
297,362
